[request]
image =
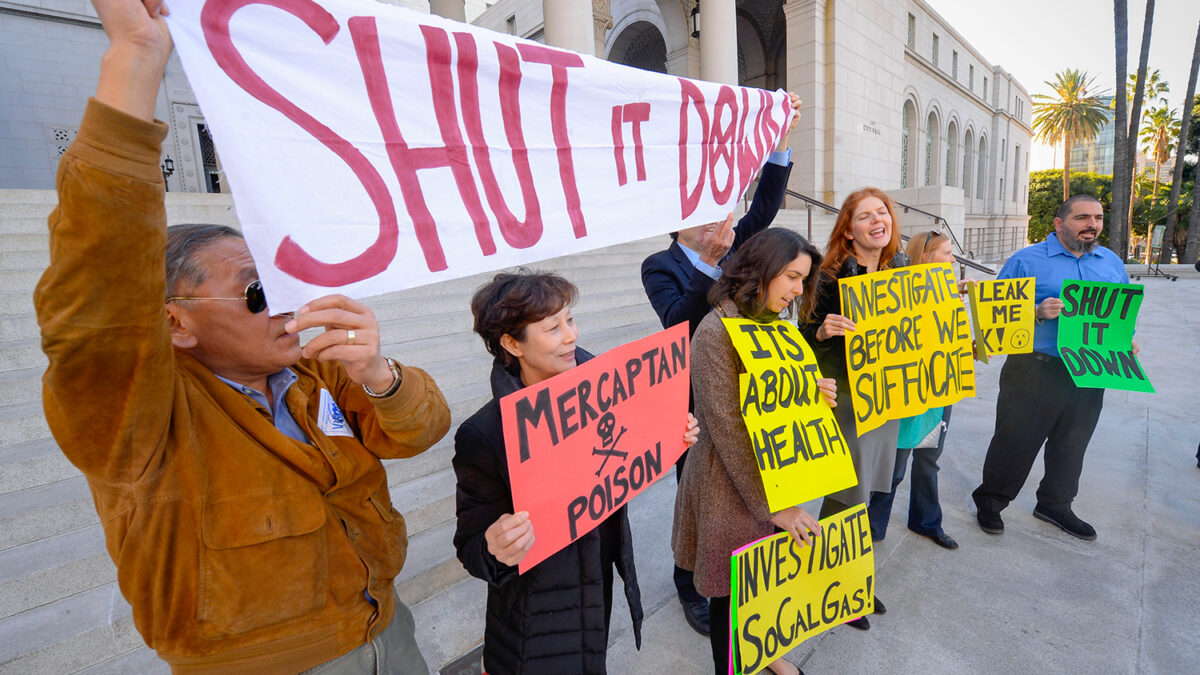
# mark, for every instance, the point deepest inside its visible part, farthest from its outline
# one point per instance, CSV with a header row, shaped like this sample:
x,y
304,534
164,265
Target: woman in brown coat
x,y
721,504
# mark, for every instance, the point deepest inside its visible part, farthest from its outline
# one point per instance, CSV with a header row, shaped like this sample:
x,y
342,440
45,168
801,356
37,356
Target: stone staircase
x,y
60,609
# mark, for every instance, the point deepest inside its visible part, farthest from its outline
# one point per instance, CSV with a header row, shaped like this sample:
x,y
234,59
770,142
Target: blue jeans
x,y
924,510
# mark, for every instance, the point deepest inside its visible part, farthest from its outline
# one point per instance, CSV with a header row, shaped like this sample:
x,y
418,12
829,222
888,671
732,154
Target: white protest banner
x,y
370,148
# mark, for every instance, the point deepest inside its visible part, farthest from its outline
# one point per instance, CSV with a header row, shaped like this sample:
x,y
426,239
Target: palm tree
x,y
1153,88
1187,252
1125,145
1121,170
1071,115
1158,138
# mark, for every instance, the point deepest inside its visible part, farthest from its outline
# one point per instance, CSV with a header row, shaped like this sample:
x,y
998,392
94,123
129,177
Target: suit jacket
x,y
677,290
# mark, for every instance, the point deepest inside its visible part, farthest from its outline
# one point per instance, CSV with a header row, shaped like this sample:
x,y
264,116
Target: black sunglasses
x,y
256,300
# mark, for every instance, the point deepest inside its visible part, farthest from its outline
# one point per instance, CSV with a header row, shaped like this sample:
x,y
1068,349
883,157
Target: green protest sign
x,y
1095,335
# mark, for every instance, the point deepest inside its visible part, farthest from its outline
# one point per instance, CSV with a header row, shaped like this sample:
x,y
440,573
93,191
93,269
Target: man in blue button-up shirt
x,y
1039,402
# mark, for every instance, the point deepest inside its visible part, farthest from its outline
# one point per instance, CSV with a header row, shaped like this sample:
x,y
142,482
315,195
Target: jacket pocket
x,y
263,562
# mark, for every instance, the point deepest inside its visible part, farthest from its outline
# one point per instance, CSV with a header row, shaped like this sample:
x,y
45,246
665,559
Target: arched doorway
x,y
640,45
762,44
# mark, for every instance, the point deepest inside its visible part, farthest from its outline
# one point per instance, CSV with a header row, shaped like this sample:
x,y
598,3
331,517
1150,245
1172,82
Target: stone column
x,y
807,77
601,23
718,41
568,25
450,9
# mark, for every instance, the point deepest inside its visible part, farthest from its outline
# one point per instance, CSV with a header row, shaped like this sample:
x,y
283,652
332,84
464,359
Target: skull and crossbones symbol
x,y
608,444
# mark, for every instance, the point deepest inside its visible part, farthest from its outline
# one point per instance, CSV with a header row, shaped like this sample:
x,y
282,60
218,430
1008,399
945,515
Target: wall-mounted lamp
x,y
696,19
168,168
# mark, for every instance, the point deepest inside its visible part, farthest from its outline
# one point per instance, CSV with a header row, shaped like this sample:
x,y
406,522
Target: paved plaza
x,y
1033,599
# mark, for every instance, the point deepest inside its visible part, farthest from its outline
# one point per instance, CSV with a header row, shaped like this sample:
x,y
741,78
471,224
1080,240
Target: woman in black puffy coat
x,y
555,617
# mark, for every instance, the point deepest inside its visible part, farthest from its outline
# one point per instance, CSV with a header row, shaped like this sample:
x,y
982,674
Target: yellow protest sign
x,y
1002,316
784,593
800,450
911,346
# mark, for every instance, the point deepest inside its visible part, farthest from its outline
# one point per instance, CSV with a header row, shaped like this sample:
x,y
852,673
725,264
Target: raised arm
x,y
108,387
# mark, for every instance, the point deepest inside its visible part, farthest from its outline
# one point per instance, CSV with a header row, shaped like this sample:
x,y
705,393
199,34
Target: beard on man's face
x,y
1075,244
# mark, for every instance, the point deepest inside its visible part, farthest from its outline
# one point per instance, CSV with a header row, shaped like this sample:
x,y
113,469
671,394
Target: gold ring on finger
x,y
350,337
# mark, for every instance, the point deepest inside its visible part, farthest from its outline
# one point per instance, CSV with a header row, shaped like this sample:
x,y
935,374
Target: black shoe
x,y
990,522
695,612
860,623
879,608
946,541
1068,522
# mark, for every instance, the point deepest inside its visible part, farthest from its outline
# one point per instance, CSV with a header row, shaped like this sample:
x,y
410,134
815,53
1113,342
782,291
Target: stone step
x,y
21,385
450,622
33,464
25,241
24,259
18,303
22,423
19,281
53,568
45,511
142,661
70,634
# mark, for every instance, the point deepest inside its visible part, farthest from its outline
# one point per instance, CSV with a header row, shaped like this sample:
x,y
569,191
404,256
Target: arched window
x,y
968,163
907,116
932,148
951,154
981,183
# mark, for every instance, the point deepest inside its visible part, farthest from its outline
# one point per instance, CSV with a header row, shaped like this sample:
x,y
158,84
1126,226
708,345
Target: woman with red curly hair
x,y
865,238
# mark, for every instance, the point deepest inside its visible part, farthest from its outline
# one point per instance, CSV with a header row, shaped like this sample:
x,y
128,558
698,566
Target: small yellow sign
x,y
1002,316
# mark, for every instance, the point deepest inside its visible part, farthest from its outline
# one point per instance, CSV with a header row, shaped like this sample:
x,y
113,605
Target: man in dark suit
x,y
677,281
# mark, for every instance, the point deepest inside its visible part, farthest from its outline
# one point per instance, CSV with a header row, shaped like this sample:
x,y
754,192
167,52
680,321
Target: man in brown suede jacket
x,y
237,474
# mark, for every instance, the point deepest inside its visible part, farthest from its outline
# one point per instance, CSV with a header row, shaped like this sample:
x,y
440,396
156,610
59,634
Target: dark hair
x,y
763,257
1065,209
511,301
183,243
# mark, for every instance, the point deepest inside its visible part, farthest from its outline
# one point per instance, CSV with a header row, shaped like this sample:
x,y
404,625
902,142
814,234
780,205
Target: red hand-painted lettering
x,y
289,257
559,61
518,234
690,93
635,114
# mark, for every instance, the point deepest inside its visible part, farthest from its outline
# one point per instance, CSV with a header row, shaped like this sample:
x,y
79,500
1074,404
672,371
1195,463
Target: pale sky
x,y
1034,39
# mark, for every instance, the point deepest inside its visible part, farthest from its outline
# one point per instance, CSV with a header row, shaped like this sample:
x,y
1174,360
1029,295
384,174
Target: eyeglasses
x,y
256,300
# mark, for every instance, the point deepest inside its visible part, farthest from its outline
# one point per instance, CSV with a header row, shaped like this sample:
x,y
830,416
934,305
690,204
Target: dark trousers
x,y
685,584
1038,403
924,508
718,636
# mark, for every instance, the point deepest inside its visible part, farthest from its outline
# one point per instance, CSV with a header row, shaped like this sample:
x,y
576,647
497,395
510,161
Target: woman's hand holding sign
x,y
828,387
510,538
692,434
835,325
797,522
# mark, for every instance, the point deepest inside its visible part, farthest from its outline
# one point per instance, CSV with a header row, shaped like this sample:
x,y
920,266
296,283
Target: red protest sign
x,y
583,443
